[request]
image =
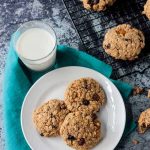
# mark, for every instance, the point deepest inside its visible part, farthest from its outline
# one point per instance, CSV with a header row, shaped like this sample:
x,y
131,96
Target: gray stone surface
x,y
15,12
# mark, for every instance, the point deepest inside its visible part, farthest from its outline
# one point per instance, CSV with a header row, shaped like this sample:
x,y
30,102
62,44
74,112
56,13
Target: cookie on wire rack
x,y
147,9
124,42
97,5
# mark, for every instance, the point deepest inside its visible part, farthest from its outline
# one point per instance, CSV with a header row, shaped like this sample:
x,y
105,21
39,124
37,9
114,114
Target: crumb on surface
x,y
138,90
135,142
148,95
144,121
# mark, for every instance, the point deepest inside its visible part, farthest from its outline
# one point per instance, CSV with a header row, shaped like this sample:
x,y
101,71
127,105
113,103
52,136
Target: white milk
x,y
36,48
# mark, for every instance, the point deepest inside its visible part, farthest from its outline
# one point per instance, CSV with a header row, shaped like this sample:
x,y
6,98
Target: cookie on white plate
x,y
49,117
80,130
84,94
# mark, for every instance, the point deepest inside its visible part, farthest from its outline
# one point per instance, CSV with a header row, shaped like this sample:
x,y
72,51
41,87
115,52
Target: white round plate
x,y
52,85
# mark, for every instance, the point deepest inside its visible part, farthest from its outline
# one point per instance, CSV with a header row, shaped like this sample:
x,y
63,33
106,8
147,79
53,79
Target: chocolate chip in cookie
x,y
63,106
85,102
53,126
81,141
94,116
85,84
71,137
96,97
108,46
93,2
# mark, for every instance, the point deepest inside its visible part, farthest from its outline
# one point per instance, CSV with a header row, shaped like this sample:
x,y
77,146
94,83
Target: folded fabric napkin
x,y
18,79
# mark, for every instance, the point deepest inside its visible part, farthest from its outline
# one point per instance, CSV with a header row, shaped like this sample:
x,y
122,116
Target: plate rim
x,y
43,76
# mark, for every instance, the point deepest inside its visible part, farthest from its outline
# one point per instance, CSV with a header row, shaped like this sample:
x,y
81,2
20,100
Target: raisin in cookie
x,y
144,121
147,9
81,131
49,117
97,5
124,42
84,94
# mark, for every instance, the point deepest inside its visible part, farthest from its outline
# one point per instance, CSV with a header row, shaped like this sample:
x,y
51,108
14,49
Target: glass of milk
x,y
35,44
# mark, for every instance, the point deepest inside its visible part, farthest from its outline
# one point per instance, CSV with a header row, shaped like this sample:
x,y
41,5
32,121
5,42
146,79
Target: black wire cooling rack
x,y
92,26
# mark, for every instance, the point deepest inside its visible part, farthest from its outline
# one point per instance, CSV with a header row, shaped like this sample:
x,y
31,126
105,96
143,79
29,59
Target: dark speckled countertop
x,y
15,12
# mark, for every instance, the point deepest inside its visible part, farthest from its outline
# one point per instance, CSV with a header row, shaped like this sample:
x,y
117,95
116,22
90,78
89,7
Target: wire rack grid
x,y
92,26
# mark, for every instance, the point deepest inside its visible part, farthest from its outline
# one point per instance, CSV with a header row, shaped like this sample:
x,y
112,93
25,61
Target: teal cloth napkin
x,y
18,79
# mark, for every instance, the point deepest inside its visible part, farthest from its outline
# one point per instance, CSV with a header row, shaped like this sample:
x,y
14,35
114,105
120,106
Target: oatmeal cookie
x,y
84,94
97,5
124,42
49,117
147,9
81,131
144,121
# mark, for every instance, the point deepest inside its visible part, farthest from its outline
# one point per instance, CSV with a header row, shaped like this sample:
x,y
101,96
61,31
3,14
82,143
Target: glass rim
x,y
21,27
